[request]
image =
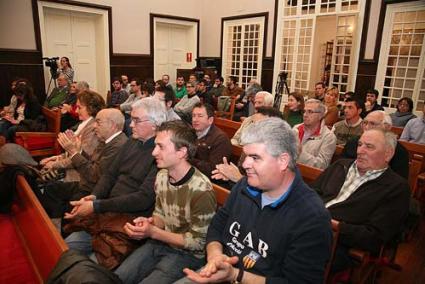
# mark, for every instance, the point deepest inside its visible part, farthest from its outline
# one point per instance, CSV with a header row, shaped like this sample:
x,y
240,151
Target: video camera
x,y
53,64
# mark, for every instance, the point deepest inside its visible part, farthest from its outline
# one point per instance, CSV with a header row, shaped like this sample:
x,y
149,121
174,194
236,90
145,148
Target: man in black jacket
x,y
273,228
366,196
127,186
399,163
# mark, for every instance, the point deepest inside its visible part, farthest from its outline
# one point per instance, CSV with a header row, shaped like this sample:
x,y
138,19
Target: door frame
x,y
103,40
169,19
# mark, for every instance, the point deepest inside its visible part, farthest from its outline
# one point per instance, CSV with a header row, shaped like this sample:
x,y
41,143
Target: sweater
x,y
401,119
288,241
127,186
344,131
293,117
374,214
211,149
186,207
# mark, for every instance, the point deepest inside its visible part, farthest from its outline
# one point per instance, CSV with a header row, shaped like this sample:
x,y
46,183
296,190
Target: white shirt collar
x,y
112,137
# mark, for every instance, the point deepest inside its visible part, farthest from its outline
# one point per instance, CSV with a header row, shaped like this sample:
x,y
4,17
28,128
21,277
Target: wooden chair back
x,y
228,126
227,114
37,233
335,235
416,165
221,194
309,174
30,140
397,131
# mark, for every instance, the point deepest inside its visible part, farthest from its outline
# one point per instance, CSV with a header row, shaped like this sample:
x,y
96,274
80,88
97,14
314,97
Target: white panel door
x,y
177,51
161,51
172,41
72,35
83,42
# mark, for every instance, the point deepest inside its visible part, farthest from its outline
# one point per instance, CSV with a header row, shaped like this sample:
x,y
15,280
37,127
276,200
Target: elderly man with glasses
x,y
316,142
381,120
125,190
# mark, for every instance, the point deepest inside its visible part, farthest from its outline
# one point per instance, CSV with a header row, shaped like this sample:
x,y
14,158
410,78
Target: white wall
x,y
16,25
131,22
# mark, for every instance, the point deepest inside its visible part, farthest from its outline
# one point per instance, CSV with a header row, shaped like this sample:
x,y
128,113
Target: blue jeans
x,y
156,262
80,241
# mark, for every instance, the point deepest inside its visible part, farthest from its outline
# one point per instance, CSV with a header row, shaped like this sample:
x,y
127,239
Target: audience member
x,y
208,84
59,93
319,91
193,78
89,104
380,120
414,131
261,99
331,103
66,69
203,94
10,109
125,84
26,117
293,113
184,107
218,88
244,100
108,129
229,172
212,144
246,241
124,191
350,127
316,142
68,109
403,113
185,205
368,199
169,99
135,95
166,79
371,103
180,89
232,89
118,95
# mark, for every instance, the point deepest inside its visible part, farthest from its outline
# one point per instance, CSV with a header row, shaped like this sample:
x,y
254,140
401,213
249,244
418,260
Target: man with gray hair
x,y
126,189
261,99
108,129
379,119
272,228
316,142
366,196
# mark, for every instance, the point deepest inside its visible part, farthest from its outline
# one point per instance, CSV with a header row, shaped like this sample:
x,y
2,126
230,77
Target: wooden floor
x,y
411,256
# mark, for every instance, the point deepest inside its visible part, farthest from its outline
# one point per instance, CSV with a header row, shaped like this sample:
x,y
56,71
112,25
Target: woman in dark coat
x,y
27,115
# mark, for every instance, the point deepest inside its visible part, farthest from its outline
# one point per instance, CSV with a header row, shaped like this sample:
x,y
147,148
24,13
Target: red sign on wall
x,y
189,57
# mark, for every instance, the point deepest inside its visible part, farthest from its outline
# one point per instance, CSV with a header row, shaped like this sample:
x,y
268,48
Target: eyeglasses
x,y
138,120
309,111
370,123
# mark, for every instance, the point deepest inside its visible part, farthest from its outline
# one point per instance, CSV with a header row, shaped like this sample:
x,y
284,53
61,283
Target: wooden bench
x,y
309,174
43,143
228,126
221,194
416,166
42,242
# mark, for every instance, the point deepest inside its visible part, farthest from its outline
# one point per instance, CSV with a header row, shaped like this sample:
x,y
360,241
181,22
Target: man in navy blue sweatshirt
x,y
273,227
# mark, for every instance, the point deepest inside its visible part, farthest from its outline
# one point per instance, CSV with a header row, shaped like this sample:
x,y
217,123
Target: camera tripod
x,y
281,84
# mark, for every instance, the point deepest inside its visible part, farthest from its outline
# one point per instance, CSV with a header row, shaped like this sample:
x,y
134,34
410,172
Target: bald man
x,y
108,128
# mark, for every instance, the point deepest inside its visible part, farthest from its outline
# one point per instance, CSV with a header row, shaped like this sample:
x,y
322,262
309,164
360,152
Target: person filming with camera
x,y
66,69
